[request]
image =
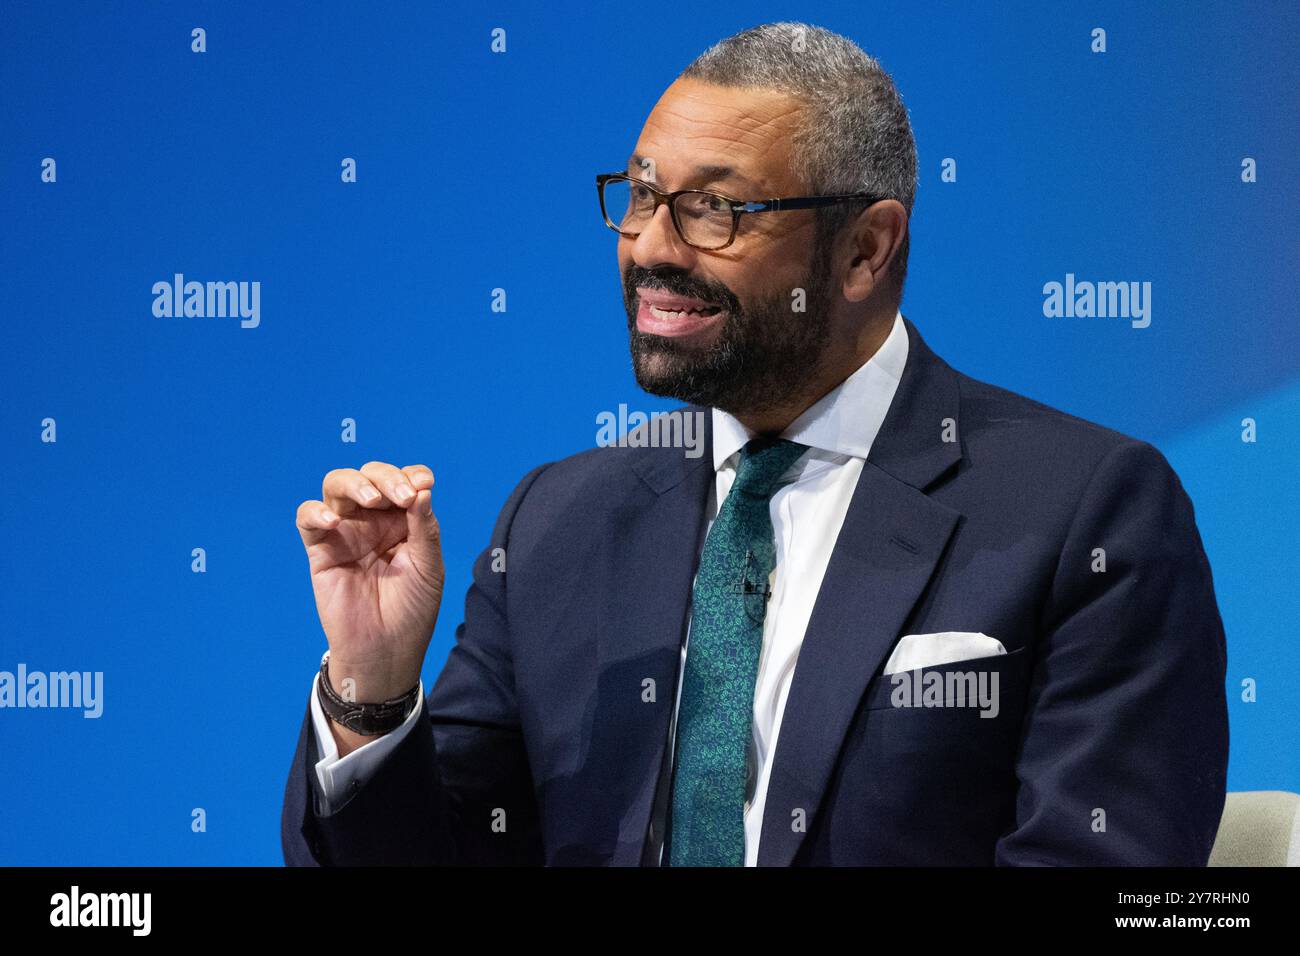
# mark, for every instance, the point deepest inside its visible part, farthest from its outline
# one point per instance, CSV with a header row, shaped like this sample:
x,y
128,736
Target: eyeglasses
x,y
704,220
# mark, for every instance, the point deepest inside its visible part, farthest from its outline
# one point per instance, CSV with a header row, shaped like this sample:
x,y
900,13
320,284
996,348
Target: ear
x,y
873,239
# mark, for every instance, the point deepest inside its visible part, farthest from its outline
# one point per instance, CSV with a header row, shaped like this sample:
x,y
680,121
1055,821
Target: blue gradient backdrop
x,y
182,433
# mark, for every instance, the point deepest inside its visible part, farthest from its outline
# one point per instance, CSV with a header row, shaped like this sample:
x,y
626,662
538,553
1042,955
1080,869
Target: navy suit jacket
x,y
539,743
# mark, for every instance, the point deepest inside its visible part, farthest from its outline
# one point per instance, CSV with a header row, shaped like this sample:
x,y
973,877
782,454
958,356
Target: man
x,y
893,615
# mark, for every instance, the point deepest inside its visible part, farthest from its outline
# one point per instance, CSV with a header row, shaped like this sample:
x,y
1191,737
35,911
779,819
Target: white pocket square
x,y
948,647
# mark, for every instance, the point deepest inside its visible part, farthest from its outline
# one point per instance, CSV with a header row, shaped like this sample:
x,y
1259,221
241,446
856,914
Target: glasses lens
x,y
705,219
628,205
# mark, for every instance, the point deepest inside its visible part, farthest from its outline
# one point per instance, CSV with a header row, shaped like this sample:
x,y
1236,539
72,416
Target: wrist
x,y
369,682
339,696
346,741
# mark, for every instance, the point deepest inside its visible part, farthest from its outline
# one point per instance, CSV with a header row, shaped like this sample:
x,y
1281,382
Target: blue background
x,y
475,171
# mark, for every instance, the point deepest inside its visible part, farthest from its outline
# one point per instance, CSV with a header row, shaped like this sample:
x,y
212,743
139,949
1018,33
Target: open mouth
x,y
669,314
678,316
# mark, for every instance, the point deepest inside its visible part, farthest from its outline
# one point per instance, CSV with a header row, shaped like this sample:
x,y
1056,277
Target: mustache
x,y
678,282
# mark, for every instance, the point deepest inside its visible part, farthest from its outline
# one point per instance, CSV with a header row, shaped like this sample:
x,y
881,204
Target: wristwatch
x,y
366,719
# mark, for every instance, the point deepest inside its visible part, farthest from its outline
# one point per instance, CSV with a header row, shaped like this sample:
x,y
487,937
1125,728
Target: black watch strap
x,y
367,719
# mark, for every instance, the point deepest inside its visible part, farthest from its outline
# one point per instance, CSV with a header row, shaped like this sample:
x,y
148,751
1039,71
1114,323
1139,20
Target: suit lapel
x,y
654,552
892,538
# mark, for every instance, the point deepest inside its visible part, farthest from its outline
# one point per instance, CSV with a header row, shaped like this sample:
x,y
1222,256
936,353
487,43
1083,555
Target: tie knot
x,y
762,463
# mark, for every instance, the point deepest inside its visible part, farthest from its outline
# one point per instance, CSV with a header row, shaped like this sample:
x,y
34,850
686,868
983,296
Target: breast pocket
x,y
991,686
941,738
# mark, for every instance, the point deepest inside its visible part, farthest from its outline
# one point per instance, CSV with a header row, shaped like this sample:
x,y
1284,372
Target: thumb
x,y
423,536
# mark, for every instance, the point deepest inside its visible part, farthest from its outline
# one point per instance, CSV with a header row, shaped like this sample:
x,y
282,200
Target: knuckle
x,y
338,479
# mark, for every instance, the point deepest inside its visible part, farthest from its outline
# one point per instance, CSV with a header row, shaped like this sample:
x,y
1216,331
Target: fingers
x,y
390,480
315,520
346,489
376,485
316,515
420,476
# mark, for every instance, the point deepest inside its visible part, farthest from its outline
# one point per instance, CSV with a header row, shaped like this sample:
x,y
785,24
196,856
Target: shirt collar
x,y
846,420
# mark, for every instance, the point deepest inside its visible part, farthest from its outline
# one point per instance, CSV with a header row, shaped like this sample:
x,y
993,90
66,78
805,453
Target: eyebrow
x,y
706,173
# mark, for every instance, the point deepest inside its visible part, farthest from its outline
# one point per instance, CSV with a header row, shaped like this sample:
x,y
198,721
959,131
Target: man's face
x,y
719,328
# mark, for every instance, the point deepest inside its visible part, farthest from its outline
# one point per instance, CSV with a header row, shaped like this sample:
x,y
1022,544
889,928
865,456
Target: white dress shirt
x,y
807,511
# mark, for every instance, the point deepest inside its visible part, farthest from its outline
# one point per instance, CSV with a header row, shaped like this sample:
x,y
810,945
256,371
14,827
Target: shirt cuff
x,y
341,777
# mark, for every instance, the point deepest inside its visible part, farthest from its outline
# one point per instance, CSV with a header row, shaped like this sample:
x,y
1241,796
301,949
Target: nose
x,y
659,243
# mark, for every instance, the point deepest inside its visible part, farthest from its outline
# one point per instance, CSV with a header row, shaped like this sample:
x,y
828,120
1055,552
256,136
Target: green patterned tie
x,y
716,709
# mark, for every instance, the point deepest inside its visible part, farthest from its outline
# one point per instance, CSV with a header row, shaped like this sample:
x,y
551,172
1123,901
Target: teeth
x,y
670,313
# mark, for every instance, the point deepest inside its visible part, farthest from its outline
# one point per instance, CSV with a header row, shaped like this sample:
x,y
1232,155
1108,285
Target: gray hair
x,y
855,135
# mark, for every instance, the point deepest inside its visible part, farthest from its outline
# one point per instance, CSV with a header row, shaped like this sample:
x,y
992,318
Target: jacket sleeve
x,y
457,788
1124,746
340,777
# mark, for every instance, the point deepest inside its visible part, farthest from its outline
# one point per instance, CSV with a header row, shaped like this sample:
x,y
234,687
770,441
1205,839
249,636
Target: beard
x,y
759,360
